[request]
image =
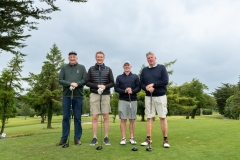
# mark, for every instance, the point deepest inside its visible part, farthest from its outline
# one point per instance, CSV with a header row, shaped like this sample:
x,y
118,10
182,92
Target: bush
x,y
207,112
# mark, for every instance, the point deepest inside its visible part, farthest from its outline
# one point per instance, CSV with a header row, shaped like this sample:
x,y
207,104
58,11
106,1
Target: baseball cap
x,y
127,62
72,53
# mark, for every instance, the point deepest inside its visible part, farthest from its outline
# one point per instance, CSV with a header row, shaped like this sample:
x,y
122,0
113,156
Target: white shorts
x,y
159,104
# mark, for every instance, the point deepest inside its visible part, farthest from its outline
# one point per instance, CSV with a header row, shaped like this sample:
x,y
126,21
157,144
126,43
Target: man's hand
x,y
74,84
128,90
150,87
101,86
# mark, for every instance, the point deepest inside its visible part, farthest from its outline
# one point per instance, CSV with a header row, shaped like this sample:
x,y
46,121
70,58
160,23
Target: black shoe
x,y
106,141
77,142
94,141
61,142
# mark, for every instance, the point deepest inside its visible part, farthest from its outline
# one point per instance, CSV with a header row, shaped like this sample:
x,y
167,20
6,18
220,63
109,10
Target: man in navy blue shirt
x,y
154,80
127,85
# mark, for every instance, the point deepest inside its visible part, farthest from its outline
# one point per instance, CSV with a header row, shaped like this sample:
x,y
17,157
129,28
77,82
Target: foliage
x,y
10,88
17,16
86,101
86,92
24,109
86,105
221,94
141,104
114,105
45,92
232,107
228,107
207,112
195,89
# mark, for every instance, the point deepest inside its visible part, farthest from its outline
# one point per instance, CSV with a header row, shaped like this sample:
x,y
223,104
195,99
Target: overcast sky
x,y
202,35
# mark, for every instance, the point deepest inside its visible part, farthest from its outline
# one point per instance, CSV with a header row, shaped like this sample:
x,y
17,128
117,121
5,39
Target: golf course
x,y
205,137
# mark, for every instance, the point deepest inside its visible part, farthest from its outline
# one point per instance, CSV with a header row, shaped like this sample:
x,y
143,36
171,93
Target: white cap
x,y
127,62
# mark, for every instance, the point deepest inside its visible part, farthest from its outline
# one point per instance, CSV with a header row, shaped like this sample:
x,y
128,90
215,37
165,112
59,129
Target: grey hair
x,y
150,53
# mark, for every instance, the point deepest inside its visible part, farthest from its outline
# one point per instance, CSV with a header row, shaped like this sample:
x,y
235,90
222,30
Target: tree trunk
x,y
4,118
42,117
193,113
3,125
143,118
49,117
114,119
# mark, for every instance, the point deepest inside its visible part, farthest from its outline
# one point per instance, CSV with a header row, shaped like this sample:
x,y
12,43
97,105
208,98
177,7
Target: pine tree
x,y
45,92
10,88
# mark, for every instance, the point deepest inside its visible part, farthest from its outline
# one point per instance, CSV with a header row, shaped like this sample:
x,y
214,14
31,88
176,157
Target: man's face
x,y
72,59
99,59
127,67
151,60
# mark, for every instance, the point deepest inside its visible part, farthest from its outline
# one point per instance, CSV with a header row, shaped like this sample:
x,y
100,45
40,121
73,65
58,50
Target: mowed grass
x,y
205,137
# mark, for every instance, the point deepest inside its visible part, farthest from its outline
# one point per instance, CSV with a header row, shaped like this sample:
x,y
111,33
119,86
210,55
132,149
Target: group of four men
x,y
153,80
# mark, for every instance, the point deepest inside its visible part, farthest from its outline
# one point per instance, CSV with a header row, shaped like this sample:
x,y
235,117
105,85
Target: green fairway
x,y
206,137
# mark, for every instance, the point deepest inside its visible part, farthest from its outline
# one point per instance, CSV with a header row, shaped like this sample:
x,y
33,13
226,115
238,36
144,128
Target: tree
x,y
17,16
141,104
45,93
86,103
232,108
114,104
33,96
222,93
195,89
228,107
10,88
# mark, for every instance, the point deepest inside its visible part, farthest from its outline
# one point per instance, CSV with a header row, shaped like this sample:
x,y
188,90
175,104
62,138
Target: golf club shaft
x,y
101,116
130,103
70,120
150,120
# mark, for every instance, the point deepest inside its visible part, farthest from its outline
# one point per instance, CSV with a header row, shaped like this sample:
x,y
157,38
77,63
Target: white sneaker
x,y
132,141
166,144
123,141
147,142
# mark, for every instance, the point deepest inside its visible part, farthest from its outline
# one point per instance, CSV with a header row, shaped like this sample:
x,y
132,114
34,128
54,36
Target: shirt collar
x,y
153,66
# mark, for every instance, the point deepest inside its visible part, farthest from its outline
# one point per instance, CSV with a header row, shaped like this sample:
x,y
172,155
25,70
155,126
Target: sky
x,y
203,36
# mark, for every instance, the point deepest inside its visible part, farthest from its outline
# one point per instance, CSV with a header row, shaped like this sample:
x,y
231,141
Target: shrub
x,y
207,112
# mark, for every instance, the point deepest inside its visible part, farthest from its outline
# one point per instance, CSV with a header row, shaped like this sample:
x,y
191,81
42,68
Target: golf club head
x,y
99,148
134,149
65,145
149,149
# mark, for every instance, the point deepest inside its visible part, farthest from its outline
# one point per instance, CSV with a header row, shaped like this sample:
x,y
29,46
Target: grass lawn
x,y
206,137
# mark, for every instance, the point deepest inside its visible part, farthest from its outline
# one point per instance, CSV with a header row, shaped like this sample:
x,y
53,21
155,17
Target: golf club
x,y
100,147
71,112
149,148
134,148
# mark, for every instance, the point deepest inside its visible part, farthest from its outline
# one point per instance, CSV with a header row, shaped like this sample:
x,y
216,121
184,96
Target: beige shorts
x,y
159,104
95,104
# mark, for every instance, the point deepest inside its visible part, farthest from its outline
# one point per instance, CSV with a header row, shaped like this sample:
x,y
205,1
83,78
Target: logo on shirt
x,y
77,71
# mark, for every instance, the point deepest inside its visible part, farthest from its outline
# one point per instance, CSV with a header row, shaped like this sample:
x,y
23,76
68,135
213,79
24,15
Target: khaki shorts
x,y
159,104
95,104
124,110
